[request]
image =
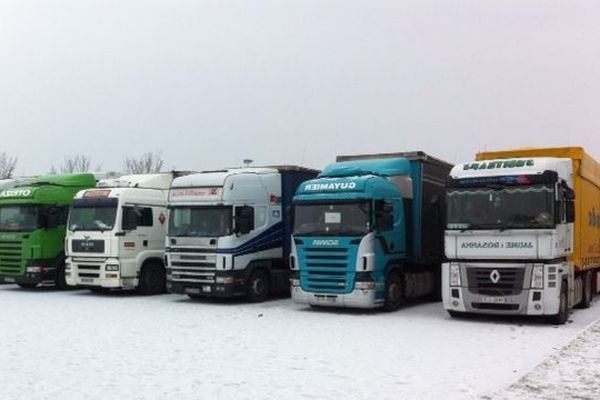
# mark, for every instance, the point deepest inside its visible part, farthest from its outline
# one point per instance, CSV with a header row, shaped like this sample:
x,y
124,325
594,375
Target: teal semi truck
x,y
369,231
33,217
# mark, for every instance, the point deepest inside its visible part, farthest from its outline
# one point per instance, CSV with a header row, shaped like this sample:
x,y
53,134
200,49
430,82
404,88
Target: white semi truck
x,y
230,231
523,233
116,234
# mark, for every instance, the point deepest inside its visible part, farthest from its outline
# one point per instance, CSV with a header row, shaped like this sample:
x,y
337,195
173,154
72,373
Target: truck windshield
x,y
19,218
332,219
503,208
93,214
201,221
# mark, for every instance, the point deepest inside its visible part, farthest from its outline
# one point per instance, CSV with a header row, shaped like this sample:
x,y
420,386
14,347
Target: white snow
x,y
75,345
572,373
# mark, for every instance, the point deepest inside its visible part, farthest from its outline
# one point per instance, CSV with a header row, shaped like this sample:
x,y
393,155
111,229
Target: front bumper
x,y
543,301
45,275
92,273
358,298
210,289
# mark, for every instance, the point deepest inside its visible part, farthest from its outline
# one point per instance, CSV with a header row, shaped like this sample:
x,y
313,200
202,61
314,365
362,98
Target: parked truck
x,y
116,234
33,214
229,232
368,232
523,233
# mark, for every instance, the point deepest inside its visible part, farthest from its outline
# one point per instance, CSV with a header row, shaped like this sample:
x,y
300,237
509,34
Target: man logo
x,y
495,276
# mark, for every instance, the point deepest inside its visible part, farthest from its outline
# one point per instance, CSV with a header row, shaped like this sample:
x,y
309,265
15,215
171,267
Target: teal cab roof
x,y
381,167
355,179
48,189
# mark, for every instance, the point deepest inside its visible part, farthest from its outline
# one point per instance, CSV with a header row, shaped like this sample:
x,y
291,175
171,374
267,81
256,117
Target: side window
x,y
244,219
136,216
145,217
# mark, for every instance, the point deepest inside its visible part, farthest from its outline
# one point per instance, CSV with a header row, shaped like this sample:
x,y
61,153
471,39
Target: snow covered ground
x,y
75,345
572,373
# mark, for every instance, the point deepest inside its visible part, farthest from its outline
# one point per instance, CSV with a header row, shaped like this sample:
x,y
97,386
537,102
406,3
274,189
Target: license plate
x,y
9,280
87,280
206,289
326,299
494,299
192,290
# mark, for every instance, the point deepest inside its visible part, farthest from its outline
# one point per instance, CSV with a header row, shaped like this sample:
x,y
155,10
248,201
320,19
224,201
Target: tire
x,y
394,292
586,295
257,286
152,279
436,294
563,308
27,285
60,281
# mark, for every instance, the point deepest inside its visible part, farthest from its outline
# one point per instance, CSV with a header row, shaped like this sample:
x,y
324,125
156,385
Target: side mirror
x,y
130,218
384,215
244,220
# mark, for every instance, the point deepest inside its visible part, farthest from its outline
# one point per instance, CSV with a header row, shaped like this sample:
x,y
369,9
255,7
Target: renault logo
x,y
495,276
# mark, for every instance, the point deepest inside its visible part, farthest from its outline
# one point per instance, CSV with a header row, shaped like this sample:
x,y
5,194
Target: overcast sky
x,y
210,83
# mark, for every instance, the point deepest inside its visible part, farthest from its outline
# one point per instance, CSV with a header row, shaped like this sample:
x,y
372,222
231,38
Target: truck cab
x,y
33,214
510,237
229,232
368,231
116,234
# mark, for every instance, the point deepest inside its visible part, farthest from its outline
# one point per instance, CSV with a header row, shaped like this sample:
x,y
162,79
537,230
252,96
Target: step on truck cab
x,y
33,215
523,233
368,232
229,232
116,234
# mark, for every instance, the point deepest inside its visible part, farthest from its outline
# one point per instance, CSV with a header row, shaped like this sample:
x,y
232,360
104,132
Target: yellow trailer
x,y
523,233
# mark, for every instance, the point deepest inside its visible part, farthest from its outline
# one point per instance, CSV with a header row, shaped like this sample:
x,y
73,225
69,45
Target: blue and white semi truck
x,y
369,231
229,232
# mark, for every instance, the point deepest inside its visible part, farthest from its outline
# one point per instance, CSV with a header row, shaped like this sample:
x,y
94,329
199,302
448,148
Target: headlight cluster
x,y
454,274
112,267
537,276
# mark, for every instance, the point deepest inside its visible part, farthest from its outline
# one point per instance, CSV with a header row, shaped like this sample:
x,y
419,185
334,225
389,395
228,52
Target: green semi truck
x,y
33,217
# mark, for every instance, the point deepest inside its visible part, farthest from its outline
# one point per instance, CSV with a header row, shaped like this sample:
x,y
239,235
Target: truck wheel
x,y
27,285
563,307
394,292
60,280
586,295
257,286
152,279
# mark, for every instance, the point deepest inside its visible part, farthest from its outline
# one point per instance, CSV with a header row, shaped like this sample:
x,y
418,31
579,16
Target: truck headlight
x,y
112,267
34,269
537,276
454,274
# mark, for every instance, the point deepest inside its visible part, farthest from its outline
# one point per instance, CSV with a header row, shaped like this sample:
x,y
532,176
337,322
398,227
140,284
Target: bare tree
x,y
7,165
144,164
74,163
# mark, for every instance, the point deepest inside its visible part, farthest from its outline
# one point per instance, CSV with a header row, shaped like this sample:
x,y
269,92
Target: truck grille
x,y
10,257
509,281
326,269
195,266
88,271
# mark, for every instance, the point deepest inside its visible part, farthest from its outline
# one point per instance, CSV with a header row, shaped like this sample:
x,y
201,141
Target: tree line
x,y
150,162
